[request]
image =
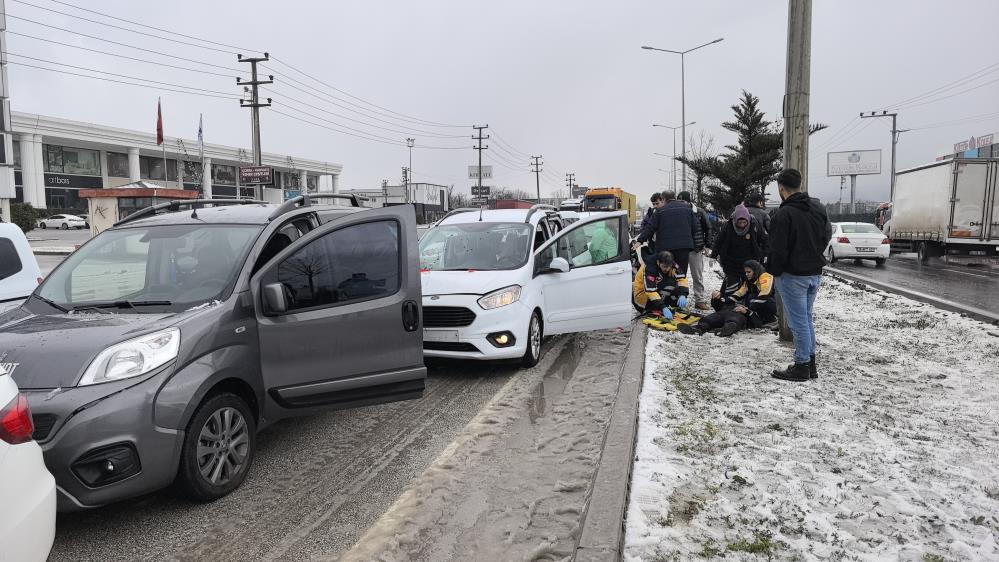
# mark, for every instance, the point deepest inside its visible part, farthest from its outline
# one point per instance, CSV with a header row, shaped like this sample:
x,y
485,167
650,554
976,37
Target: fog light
x,y
107,465
501,339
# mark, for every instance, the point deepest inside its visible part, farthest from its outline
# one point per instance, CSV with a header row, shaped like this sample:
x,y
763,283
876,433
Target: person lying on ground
x,y
656,292
752,305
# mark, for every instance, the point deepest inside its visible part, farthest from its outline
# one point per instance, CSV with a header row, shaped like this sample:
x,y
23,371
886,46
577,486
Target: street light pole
x,y
683,96
409,176
682,126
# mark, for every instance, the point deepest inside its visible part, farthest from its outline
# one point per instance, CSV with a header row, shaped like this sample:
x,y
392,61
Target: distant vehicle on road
x,y
496,282
575,205
27,490
945,208
611,199
154,353
64,222
19,272
859,241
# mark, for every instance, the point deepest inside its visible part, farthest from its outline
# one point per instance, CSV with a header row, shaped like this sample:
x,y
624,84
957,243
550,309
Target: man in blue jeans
x,y
799,234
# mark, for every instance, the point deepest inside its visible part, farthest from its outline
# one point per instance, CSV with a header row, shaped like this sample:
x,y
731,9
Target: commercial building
x,y
982,146
429,199
55,158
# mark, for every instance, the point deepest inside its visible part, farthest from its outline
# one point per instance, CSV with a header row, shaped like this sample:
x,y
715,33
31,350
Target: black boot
x,y
813,373
796,372
727,330
695,330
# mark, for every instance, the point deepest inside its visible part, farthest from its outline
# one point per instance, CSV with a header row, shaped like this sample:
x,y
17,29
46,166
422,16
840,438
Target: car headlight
x,y
132,358
500,297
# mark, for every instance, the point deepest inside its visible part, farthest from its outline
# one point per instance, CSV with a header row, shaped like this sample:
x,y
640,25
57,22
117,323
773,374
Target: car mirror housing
x,y
274,298
560,265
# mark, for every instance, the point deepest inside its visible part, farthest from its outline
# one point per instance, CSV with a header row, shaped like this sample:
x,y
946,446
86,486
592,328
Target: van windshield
x,y
600,204
155,269
484,246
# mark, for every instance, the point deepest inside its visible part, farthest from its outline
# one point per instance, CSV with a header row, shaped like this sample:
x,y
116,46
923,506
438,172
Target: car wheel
x,y
880,261
830,256
64,226
923,252
42,225
535,333
218,448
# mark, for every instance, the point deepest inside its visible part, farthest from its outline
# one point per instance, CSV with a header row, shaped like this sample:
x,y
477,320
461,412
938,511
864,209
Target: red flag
x,y
159,122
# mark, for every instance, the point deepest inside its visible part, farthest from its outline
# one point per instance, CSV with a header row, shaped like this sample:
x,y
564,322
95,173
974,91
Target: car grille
x,y
447,316
449,346
43,425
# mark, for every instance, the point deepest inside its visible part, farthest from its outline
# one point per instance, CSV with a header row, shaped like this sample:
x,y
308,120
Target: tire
x,y
880,262
831,256
535,334
64,226
194,477
923,252
42,225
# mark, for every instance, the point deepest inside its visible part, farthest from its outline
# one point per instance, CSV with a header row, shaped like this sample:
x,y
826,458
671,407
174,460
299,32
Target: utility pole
x,y
570,182
254,106
478,136
409,143
7,191
842,185
797,87
537,174
894,141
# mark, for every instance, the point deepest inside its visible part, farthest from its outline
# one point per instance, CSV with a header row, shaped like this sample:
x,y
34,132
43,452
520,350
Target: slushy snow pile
x,y
890,455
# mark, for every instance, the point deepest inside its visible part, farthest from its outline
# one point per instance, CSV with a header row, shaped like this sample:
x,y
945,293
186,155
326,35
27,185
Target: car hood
x,y
467,282
51,350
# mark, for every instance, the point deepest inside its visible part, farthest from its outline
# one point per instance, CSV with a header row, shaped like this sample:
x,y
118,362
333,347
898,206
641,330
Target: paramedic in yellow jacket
x,y
658,292
753,305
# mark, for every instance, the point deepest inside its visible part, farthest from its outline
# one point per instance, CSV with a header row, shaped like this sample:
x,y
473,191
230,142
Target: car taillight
x,y
15,421
886,241
843,240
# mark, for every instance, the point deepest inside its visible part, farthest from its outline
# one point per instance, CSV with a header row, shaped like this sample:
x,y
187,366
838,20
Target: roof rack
x,y
535,209
306,201
176,204
457,211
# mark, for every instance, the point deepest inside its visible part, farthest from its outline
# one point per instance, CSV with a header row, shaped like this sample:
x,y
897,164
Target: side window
x,y
592,244
10,262
356,263
540,235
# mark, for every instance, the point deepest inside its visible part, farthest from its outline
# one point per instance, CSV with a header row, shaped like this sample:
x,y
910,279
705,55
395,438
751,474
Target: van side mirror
x,y
560,265
274,298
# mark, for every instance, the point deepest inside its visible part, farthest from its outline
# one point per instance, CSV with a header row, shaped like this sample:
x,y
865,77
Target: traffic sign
x,y
480,191
479,200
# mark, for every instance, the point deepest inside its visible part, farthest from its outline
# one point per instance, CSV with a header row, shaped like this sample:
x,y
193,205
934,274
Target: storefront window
x,y
312,182
151,168
223,175
118,165
66,160
17,155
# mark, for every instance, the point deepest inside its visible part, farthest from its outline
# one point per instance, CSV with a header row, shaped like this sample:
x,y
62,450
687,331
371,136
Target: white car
x,y
858,240
27,489
19,273
65,222
495,282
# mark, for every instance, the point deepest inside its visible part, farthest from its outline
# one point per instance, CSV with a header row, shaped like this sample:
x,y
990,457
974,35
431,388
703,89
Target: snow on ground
x,y
891,454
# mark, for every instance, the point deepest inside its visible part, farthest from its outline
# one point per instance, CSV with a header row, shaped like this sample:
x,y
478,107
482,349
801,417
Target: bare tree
x,y
700,149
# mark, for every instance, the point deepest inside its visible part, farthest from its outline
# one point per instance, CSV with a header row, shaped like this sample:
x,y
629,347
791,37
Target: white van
x,y
19,272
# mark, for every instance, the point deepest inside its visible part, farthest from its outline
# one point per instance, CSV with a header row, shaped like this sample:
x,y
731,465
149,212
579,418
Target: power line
x,y
960,81
229,97
371,138
958,121
909,106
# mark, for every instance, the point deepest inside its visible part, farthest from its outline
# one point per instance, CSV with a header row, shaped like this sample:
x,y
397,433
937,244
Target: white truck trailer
x,y
945,208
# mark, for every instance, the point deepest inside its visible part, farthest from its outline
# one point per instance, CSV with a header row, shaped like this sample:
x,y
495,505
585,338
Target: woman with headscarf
x,y
740,240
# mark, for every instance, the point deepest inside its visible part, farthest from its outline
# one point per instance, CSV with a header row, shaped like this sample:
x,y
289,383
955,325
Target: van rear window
x,y
10,262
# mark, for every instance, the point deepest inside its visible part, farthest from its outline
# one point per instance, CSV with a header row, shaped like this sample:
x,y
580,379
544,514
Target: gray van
x,y
154,353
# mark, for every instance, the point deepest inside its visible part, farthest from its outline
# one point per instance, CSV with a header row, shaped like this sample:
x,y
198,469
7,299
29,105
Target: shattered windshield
x,y
481,246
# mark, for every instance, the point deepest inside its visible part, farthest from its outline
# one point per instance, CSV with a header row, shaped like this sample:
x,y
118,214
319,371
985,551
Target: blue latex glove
x,y
681,302
668,315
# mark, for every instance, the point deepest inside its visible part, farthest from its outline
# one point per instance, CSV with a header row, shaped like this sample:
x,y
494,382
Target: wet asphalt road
x,y
316,484
976,286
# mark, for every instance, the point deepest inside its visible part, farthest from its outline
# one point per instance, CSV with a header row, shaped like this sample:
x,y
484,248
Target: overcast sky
x,y
563,79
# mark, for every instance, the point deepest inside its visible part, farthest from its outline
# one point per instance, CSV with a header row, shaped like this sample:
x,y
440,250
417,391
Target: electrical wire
x,y
123,82
958,121
910,106
955,83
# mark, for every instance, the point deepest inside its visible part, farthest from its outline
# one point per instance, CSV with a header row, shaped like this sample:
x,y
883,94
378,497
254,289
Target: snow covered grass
x,y
890,454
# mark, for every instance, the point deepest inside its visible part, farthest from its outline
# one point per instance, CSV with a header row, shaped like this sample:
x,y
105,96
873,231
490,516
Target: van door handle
x,y
615,271
410,316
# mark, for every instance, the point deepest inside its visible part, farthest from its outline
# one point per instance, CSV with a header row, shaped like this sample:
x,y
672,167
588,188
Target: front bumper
x,y
513,318
100,416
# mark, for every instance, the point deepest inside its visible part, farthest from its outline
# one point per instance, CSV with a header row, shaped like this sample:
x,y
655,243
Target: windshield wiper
x,y
52,304
122,304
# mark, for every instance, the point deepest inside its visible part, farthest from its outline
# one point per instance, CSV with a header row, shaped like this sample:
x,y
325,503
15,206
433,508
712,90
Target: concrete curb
x,y
54,251
970,311
603,522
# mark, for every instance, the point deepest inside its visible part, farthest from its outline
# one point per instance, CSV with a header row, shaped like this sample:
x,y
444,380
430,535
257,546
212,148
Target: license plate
x,y
440,335
866,249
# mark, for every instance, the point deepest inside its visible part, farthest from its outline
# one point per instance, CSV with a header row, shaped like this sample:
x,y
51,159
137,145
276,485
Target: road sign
x,y
578,191
482,191
256,175
853,163
473,172
479,200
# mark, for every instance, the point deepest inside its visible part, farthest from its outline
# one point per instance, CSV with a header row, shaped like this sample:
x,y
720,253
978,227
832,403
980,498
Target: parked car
x,y
27,490
858,240
495,282
156,351
86,220
64,222
19,272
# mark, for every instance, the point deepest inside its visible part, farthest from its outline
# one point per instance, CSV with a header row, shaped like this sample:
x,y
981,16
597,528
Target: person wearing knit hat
x,y
739,240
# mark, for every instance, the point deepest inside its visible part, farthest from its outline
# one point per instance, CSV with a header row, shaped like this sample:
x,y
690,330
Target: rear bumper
x,y
843,251
29,492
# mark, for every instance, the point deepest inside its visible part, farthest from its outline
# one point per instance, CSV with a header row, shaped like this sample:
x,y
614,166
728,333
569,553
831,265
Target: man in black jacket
x,y
757,206
799,234
696,258
674,228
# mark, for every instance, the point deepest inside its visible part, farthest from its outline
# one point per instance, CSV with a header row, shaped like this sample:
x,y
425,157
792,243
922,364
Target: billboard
x,y
578,191
256,175
973,143
473,172
853,163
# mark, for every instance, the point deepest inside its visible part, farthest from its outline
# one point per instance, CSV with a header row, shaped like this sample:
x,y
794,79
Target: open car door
x,y
338,315
586,275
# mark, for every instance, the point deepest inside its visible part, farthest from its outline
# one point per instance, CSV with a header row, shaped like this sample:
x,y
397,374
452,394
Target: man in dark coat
x,y
696,260
657,203
799,234
674,228
739,240
757,206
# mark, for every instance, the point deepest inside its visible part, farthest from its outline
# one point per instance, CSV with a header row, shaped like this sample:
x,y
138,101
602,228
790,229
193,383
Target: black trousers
x,y
716,320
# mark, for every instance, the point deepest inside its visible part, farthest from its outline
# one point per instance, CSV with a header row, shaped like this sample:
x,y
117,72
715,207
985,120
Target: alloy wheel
x,y
535,336
223,445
